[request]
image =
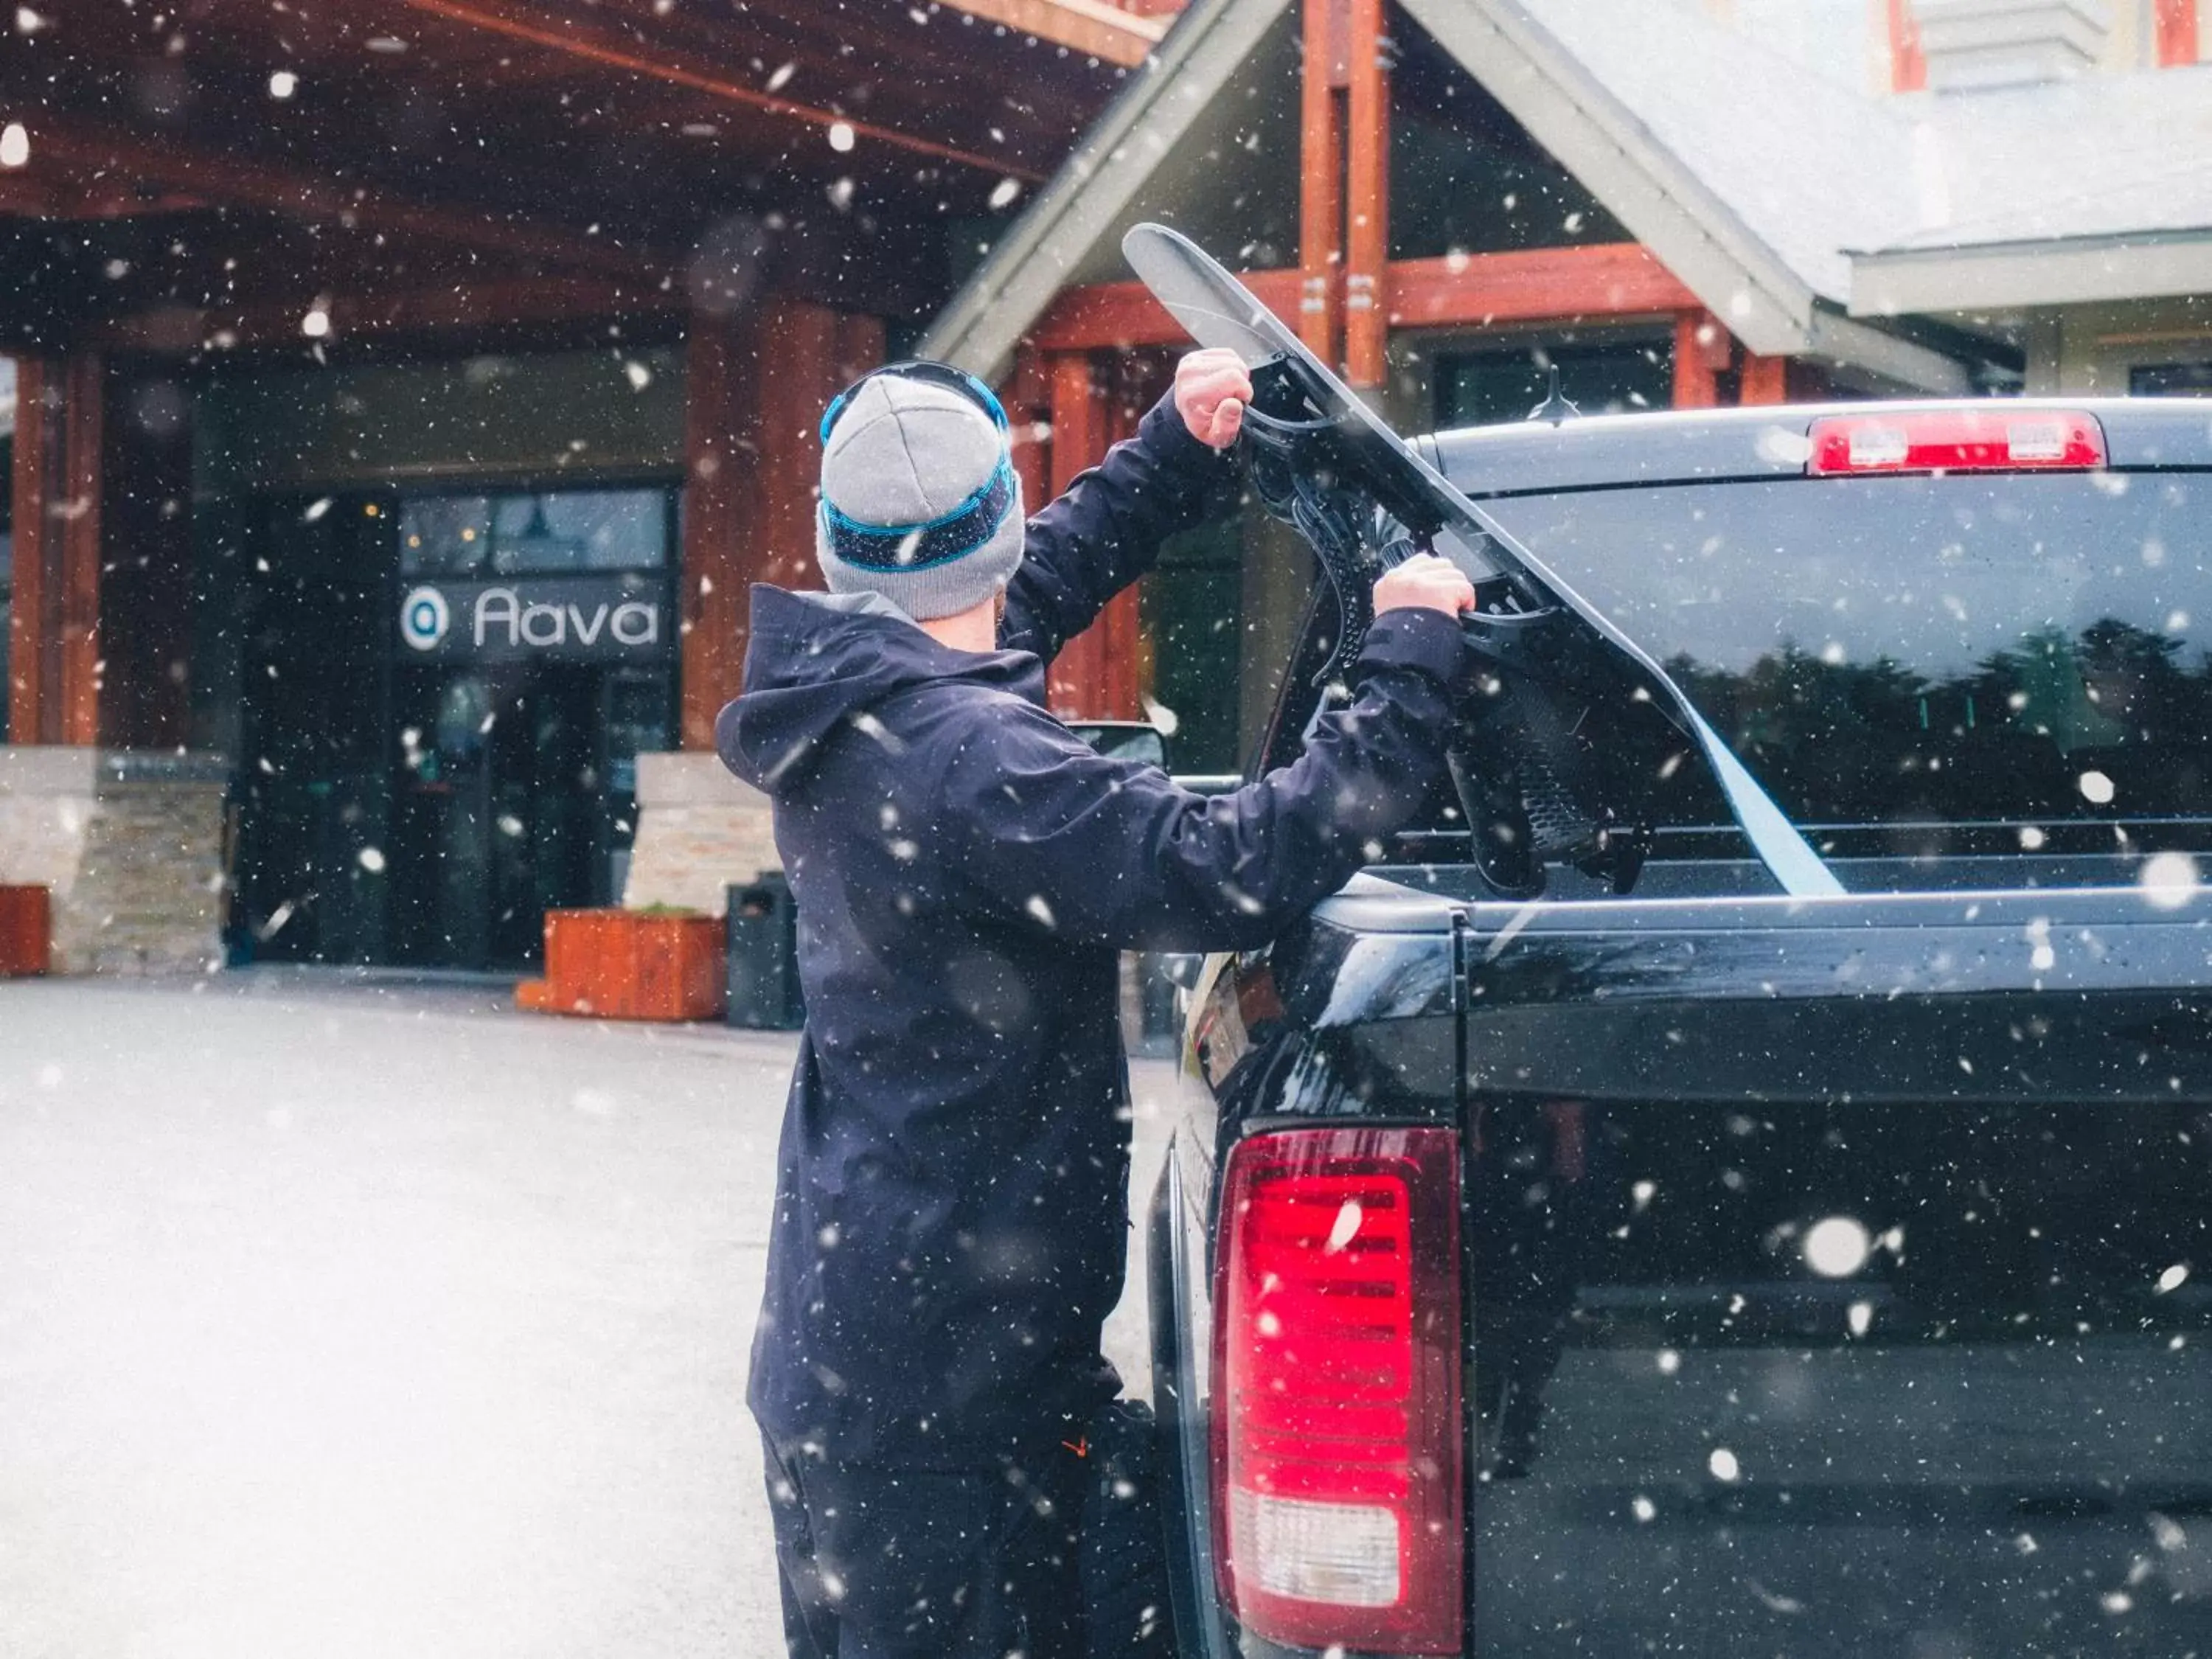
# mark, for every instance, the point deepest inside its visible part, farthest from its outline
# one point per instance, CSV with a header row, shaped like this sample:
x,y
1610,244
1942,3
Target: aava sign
x,y
575,618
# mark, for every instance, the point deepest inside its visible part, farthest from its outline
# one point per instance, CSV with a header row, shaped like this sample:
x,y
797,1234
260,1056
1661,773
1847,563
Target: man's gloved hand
x,y
1425,581
1211,390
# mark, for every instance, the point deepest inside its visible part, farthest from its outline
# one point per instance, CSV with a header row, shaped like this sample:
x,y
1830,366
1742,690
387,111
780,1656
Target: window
x,y
540,534
2171,380
1921,652
1609,377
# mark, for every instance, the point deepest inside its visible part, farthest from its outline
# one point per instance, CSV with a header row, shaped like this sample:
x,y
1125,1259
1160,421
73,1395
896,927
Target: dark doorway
x,y
311,791
444,699
511,796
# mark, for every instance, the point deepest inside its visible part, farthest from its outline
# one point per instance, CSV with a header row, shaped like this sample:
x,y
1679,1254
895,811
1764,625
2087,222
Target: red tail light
x,y
1956,440
1337,1473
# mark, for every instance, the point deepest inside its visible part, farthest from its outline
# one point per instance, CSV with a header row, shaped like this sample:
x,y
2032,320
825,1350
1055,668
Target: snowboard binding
x,y
1532,786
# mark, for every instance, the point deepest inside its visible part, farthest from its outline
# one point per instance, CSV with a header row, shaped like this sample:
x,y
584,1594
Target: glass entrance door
x,y
446,698
535,660
513,797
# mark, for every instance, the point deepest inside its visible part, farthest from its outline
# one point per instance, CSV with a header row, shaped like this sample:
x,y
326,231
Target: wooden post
x,y
1094,676
32,486
1763,381
1321,177
754,392
1908,62
719,456
1367,230
2176,23
145,578
53,697
1027,397
1702,347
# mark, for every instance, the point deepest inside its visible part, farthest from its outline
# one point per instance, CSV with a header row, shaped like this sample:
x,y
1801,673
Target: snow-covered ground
x,y
344,1319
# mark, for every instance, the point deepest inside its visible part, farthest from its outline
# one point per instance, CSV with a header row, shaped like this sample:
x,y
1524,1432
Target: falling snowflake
x,y
2169,881
1345,1228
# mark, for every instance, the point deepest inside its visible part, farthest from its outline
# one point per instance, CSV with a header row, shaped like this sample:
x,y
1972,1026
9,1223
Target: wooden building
x,y
407,390
1678,203
329,321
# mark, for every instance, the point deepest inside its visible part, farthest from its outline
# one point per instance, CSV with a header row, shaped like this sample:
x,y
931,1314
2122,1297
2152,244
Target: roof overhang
x,y
1691,232
2022,275
1687,225
987,319
1885,360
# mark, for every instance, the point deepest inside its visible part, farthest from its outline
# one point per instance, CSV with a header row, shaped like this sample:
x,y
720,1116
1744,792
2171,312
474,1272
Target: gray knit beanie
x,y
919,501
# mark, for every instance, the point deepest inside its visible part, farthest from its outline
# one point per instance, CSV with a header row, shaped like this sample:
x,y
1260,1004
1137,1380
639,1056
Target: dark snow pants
x,y
879,1563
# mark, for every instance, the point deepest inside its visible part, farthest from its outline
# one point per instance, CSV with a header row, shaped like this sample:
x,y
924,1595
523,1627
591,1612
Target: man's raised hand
x,y
1211,390
1425,582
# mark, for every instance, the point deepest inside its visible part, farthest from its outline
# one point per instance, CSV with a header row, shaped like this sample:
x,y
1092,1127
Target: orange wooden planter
x,y
26,932
630,964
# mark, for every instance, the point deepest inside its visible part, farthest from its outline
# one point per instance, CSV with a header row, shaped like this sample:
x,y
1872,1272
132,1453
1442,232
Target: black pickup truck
x,y
1646,1261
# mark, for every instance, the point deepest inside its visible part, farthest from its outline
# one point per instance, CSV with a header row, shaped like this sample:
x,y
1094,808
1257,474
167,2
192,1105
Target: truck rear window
x,y
2033,651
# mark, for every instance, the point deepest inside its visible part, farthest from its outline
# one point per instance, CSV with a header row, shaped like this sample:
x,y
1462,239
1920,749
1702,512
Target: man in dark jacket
x,y
952,1197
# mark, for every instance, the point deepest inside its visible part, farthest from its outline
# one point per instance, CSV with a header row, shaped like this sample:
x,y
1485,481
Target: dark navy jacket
x,y
951,1210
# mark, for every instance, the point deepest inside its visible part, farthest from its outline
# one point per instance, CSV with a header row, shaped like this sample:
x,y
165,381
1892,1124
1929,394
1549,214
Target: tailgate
x,y
1838,1276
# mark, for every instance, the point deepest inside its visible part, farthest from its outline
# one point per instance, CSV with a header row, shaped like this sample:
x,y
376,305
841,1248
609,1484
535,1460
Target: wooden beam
x,y
79,146
1478,290
1532,285
32,484
145,592
1075,684
1320,182
754,391
520,21
2176,23
1908,60
1761,380
53,693
1125,315
467,305
1027,398
720,455
1701,350
1367,204
1107,32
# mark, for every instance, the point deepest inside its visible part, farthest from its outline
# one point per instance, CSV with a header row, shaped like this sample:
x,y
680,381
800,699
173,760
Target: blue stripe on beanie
x,y
940,541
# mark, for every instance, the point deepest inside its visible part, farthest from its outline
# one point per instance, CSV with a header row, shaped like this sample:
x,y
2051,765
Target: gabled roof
x,y
1082,203
1792,206
1863,198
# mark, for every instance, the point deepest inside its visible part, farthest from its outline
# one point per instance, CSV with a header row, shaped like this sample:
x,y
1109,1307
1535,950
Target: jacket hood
x,y
817,662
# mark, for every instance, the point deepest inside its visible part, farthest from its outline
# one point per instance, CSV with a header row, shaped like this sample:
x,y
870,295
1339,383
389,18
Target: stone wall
x,y
130,843
698,830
